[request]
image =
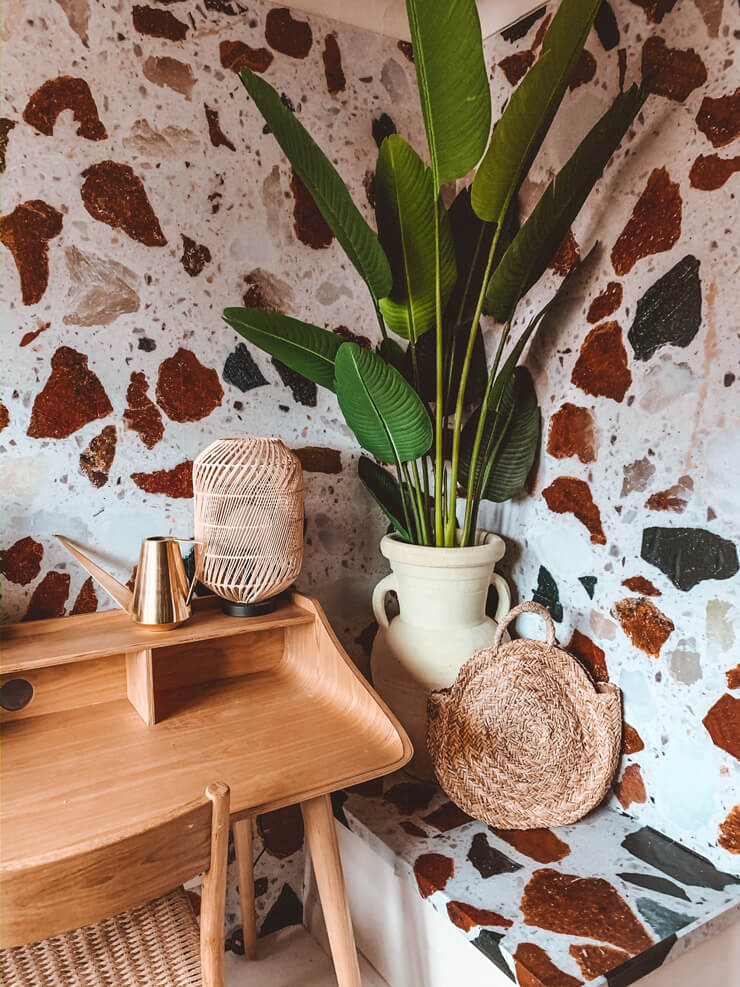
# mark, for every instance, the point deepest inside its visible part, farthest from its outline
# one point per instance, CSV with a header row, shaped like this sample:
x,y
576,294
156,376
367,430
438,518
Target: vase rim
x,y
489,547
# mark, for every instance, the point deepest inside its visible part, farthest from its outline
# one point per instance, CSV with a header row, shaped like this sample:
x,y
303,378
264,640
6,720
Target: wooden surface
x,y
139,683
213,892
40,643
308,725
243,846
322,841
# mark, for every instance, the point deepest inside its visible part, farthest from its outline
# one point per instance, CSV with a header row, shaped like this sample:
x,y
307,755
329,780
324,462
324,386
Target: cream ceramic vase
x,y
442,595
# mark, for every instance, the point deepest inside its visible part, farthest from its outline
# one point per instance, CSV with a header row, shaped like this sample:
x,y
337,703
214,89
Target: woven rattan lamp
x,y
249,512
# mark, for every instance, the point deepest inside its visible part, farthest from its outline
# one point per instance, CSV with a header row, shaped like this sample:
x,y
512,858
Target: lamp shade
x,y
249,512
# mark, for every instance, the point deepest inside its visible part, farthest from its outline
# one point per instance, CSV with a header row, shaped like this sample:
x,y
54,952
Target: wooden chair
x,y
155,941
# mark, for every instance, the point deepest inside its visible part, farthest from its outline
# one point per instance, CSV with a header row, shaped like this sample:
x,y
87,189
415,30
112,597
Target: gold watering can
x,y
161,595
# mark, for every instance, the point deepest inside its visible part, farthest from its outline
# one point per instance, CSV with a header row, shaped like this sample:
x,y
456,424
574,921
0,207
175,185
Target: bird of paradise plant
x,y
432,272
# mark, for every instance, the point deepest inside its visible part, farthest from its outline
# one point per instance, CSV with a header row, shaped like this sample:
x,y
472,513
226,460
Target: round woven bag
x,y
524,737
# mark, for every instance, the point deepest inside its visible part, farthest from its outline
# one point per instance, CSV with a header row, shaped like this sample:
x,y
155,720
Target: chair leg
x,y
245,870
213,898
322,840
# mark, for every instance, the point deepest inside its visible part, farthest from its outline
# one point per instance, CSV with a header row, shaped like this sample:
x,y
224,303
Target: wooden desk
x,y
126,724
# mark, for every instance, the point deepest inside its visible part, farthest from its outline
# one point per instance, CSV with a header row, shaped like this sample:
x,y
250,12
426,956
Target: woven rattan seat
x,y
155,945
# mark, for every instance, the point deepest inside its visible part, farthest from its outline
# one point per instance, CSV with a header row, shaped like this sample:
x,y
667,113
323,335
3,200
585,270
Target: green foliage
x,y
385,491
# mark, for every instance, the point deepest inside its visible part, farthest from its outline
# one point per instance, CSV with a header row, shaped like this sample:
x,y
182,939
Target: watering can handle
x,y
196,570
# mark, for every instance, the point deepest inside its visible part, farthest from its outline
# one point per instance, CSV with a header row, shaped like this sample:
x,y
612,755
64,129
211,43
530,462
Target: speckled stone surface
x,y
140,195
603,901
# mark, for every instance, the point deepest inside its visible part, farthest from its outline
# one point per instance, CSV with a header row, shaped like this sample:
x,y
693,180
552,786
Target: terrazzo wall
x,y
140,196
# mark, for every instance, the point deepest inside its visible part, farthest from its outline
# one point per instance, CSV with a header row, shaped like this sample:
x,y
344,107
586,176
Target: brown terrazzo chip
x,y
310,226
729,831
87,599
281,831
176,482
448,816
97,459
467,917
432,872
72,397
287,34
237,55
217,136
655,223
641,585
571,433
540,844
158,23
646,626
195,256
6,126
21,563
319,459
186,390
26,232
515,66
142,415
582,906
594,961
570,495
671,72
583,71
534,968
605,303
719,118
566,256
65,93
114,195
630,788
412,829
410,796
4,417
590,655
333,71
710,172
602,369
655,9
49,597
733,677
169,73
631,740
723,724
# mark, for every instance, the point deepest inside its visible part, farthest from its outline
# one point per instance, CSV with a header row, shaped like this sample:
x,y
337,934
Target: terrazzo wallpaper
x,y
140,195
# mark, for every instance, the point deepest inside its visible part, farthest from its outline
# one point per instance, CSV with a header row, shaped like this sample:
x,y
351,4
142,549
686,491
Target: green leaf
x,y
533,247
393,353
510,467
385,491
386,414
321,179
404,209
497,419
301,346
453,84
426,358
517,136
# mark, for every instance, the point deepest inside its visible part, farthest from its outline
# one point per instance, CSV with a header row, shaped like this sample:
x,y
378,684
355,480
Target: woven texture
x,y
249,512
156,945
524,737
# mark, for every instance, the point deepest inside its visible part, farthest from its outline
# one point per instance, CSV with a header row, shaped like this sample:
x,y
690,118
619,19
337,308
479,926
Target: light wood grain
x,y
140,683
225,658
322,840
72,639
213,897
71,686
243,844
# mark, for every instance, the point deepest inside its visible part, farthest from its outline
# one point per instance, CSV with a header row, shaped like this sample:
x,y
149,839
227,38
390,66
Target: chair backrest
x,y
46,897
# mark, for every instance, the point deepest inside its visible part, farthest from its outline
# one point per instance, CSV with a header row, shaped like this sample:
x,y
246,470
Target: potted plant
x,y
425,402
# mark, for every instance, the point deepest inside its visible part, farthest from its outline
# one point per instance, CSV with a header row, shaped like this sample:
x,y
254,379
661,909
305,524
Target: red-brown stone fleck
x,y
114,195
4,417
432,872
594,961
410,796
333,71
583,71
448,816
176,482
26,232
49,597
729,831
29,337
655,10
368,183
582,906
541,845
719,118
630,788
733,677
21,563
541,32
6,126
319,459
281,831
97,459
353,337
237,55
572,434
467,917
159,23
195,256
671,72
186,390
646,626
641,585
411,828
142,414
710,172
566,255
87,598
286,34
534,968
606,303
601,368
723,723
569,495
631,740
655,223
218,137
590,654
72,397
666,500
310,226
515,66
407,50
65,93
622,64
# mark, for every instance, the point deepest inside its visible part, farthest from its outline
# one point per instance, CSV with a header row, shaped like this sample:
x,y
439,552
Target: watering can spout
x,y
120,593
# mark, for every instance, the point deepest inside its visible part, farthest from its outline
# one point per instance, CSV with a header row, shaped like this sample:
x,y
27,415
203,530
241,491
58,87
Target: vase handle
x,y
504,596
379,594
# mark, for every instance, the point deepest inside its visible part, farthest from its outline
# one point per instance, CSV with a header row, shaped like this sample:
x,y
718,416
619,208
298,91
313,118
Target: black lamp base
x,y
249,609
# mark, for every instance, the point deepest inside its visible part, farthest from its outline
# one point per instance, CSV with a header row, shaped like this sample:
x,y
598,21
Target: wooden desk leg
x,y
245,871
322,840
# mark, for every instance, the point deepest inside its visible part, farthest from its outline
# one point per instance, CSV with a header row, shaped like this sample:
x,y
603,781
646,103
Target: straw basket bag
x,y
524,737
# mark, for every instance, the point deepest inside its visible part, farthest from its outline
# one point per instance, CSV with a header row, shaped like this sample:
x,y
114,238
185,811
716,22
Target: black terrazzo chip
x,y
547,594
689,555
669,313
286,911
241,370
677,861
304,391
487,860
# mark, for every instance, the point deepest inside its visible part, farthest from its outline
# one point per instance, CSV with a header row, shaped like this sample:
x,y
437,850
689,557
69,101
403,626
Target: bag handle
x,y
529,606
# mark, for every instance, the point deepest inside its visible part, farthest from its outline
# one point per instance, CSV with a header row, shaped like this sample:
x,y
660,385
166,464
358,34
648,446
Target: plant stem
x,y
439,499
404,493
422,514
414,503
381,322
